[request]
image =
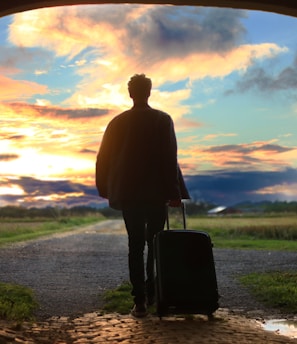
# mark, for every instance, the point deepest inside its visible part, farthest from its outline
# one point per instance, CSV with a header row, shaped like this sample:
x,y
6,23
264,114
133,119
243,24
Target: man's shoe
x,y
139,310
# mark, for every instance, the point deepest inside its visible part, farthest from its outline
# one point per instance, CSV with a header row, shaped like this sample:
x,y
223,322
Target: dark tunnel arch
x,y
287,7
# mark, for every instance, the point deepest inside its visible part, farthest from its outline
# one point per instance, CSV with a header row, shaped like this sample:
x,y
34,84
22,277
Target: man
x,y
138,172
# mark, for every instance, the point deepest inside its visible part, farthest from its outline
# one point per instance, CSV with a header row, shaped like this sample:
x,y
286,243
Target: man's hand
x,y
174,203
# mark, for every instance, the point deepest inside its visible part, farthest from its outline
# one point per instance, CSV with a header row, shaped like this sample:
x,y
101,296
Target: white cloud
x,y
117,41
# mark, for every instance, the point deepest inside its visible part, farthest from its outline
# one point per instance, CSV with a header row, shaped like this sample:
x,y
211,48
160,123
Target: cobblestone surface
x,y
96,328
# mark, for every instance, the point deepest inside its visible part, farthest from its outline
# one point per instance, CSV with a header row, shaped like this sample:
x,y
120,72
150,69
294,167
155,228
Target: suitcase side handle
x,y
183,210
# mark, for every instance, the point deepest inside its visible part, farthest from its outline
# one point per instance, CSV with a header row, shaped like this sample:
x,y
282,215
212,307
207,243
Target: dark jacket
x,y
137,160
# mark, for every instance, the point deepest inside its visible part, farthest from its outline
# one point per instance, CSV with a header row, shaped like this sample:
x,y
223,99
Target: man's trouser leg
x,y
134,218
142,223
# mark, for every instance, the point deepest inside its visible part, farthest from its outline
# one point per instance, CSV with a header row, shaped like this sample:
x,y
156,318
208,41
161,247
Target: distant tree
x,y
281,207
109,212
198,208
83,210
13,212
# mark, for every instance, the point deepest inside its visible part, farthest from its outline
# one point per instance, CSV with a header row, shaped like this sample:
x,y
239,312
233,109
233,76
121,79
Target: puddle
x,y
281,326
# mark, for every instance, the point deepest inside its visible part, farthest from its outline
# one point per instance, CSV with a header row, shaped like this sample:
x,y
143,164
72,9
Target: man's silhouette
x,y
138,172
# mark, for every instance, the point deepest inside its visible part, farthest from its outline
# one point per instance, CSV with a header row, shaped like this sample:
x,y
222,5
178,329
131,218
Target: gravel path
x,y
70,272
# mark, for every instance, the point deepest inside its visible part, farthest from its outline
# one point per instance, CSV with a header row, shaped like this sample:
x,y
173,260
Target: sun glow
x,y
11,190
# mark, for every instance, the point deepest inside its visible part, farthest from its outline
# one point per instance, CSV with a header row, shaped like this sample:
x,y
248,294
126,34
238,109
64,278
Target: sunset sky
x,y
227,77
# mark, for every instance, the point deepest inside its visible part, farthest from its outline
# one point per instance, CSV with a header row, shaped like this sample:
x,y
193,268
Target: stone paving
x,y
225,328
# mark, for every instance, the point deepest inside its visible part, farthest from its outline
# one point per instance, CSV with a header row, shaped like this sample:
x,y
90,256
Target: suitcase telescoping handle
x,y
183,209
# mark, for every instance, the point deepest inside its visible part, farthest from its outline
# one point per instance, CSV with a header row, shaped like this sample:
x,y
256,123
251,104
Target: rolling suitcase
x,y
185,272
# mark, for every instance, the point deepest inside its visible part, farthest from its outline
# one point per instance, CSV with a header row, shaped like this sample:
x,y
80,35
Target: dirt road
x,y
70,272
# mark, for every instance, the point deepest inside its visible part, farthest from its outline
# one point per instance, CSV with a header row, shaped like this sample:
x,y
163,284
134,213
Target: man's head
x,y
139,87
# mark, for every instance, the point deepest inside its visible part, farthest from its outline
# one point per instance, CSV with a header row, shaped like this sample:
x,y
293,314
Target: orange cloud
x,y
252,156
289,190
112,52
185,124
12,90
210,137
200,65
67,30
110,90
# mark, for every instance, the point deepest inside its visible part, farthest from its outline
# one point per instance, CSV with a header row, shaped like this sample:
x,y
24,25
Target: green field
x,y
265,232
249,232
15,230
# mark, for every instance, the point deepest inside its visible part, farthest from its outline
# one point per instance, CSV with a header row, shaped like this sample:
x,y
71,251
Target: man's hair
x,y
139,86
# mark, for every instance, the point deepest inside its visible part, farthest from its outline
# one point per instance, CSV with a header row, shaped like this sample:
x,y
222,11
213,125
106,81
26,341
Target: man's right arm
x,y
173,175
169,160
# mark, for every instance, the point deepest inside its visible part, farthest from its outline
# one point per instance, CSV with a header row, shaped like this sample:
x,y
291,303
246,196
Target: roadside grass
x,y
16,230
16,302
118,300
276,289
